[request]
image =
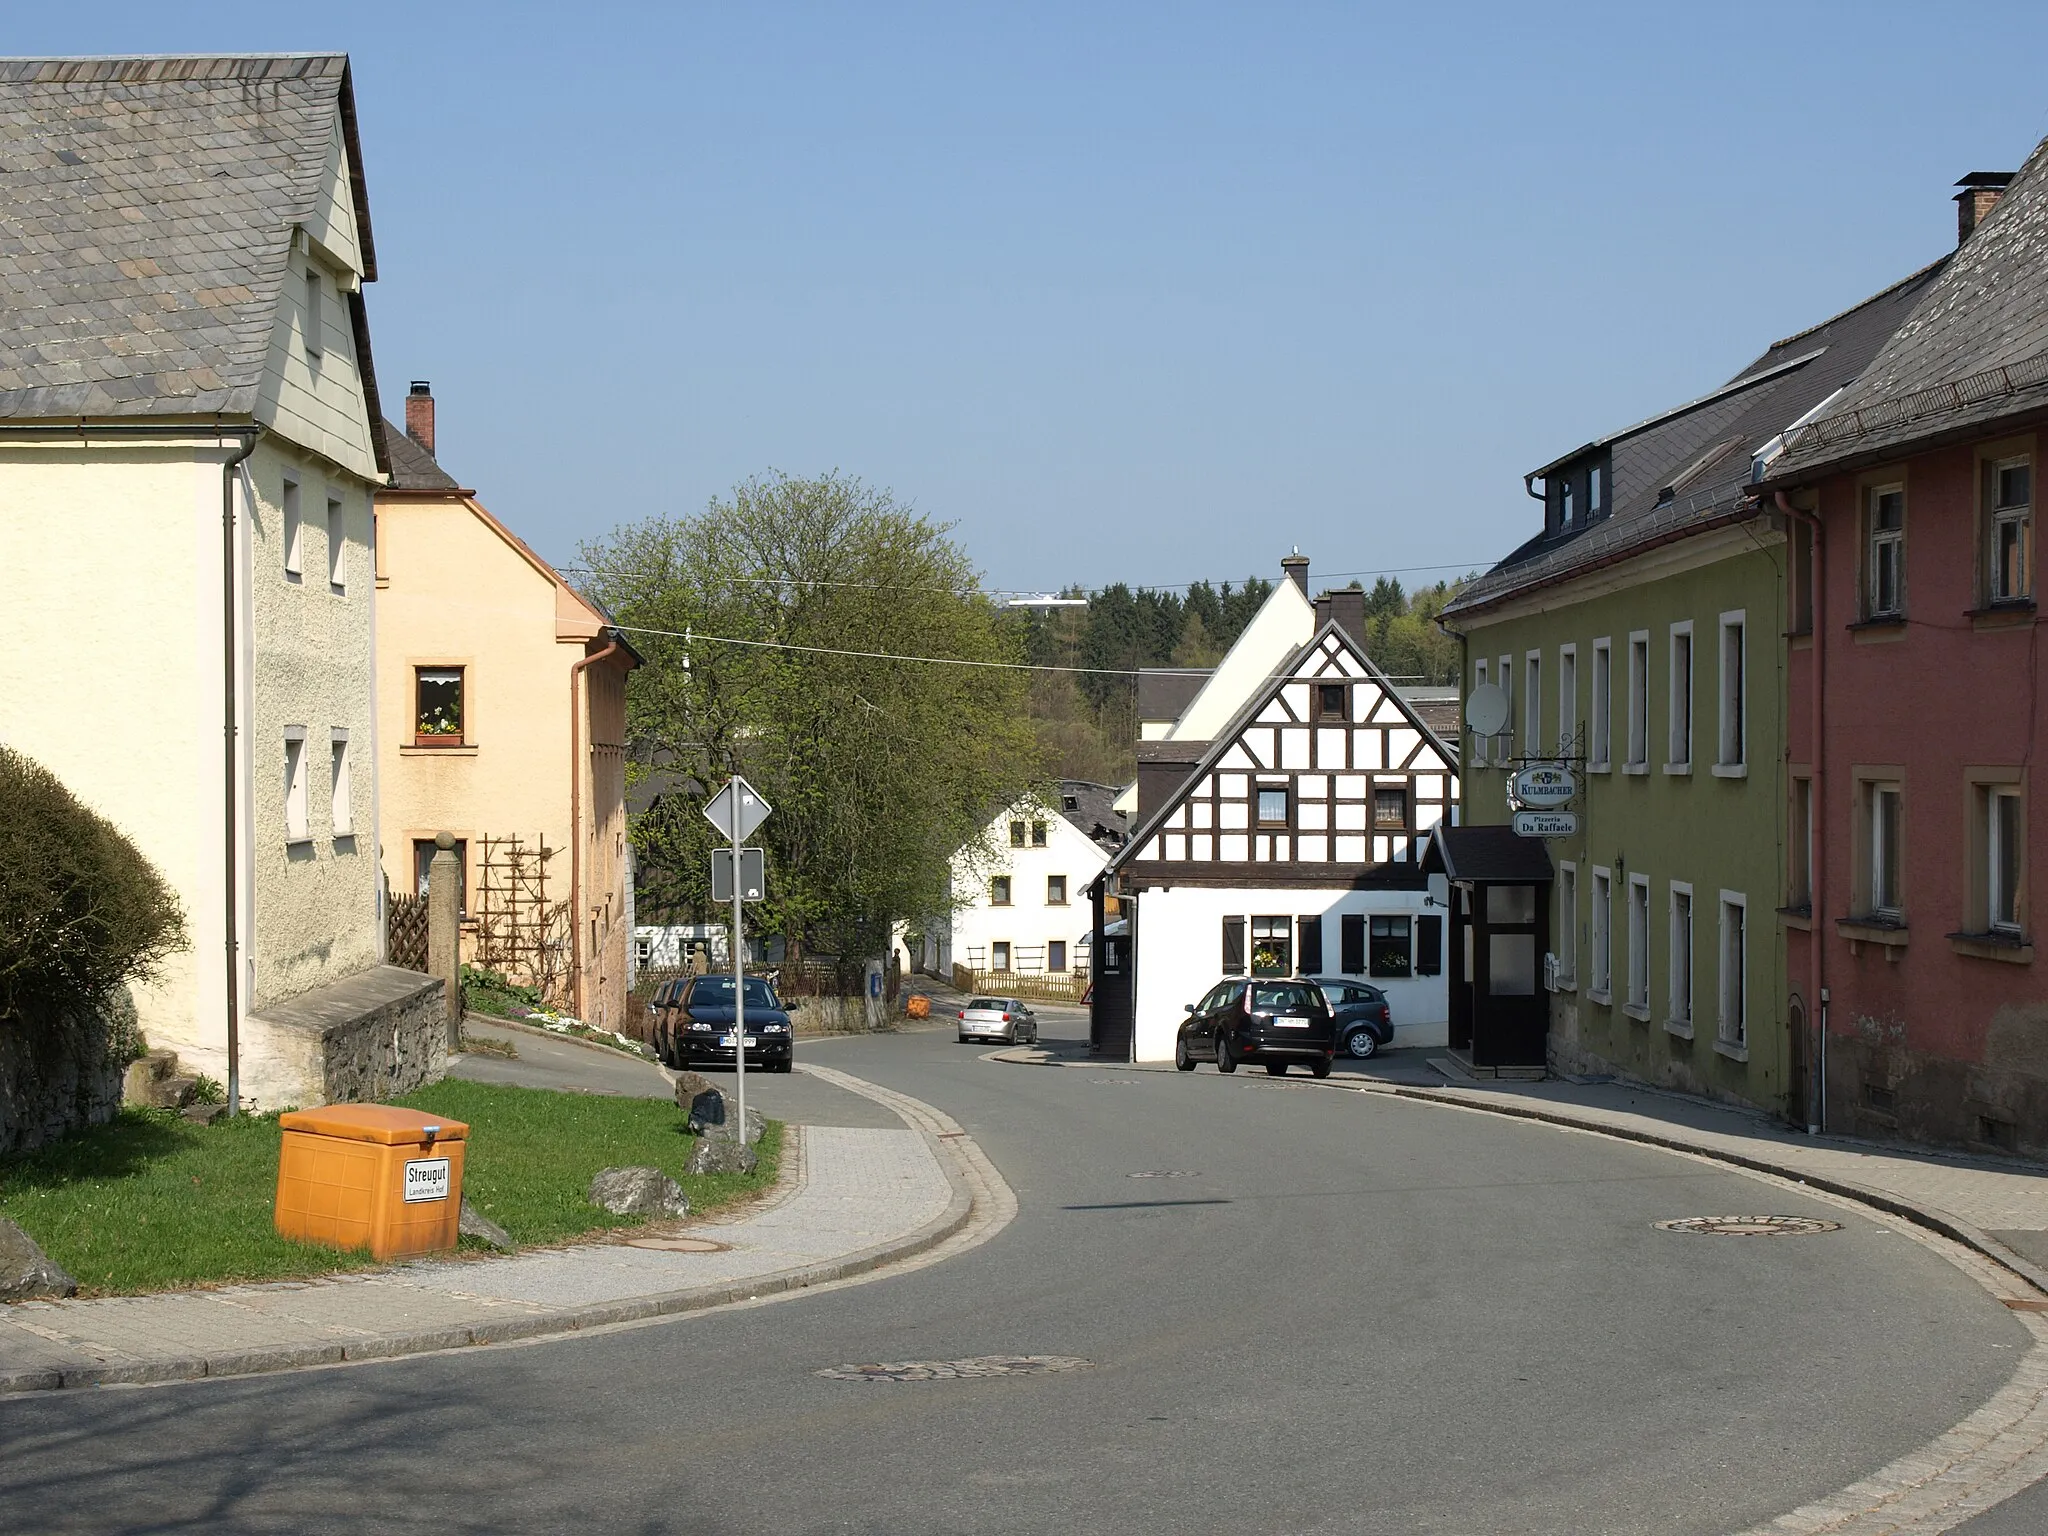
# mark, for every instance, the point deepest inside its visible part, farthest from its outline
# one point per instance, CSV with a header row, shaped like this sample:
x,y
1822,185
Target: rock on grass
x,y
638,1192
26,1271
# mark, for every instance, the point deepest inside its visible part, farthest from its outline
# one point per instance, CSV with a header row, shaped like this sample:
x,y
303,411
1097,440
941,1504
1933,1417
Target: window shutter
x,y
1233,946
1353,958
1429,946
1310,948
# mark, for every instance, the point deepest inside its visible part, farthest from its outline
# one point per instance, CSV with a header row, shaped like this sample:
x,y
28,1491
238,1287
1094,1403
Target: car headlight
x,y
774,1029
699,1024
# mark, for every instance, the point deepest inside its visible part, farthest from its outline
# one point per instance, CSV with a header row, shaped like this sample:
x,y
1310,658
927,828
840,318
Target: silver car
x,y
998,1018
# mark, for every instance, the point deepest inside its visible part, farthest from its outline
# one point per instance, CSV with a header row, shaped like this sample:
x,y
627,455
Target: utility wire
x,y
885,586
693,636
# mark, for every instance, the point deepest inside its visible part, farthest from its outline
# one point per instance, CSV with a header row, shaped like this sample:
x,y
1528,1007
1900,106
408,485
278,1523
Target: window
x,y
1272,947
1680,1016
1056,955
1429,945
2009,542
1734,1023
1567,697
999,955
999,891
1332,701
1055,890
1070,802
1352,959
1799,847
1639,945
1478,682
342,793
1016,834
1272,805
1038,834
1504,743
1567,924
1309,935
1595,491
2000,837
1389,807
294,534
1883,815
1532,701
1639,701
1734,745
1233,946
1600,973
1598,750
422,863
295,827
316,321
337,547
1678,750
1390,951
1884,577
438,713
1566,509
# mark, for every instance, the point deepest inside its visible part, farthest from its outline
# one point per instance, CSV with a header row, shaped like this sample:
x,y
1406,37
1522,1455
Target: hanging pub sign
x,y
1545,823
1542,786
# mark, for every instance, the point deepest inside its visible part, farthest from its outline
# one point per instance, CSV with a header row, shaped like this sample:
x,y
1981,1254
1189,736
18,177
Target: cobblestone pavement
x,y
851,1199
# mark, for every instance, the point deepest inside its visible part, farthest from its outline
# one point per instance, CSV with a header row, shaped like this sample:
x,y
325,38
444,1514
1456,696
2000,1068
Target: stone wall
x,y
373,1035
59,1078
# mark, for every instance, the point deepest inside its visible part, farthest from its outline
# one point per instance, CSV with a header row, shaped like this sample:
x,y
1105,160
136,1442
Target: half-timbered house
x,y
1292,845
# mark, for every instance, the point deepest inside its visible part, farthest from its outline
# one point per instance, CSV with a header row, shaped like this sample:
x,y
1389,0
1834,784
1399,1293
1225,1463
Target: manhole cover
x,y
1749,1226
957,1370
677,1244
1166,1173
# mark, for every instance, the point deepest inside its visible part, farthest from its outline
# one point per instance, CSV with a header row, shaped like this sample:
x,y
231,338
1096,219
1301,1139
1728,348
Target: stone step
x,y
160,1064
176,1092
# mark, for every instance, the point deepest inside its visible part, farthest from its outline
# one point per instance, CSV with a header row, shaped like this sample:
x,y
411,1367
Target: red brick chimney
x,y
1980,194
419,414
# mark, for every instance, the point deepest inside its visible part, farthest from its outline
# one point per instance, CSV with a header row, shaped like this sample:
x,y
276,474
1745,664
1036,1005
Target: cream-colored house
x,y
187,464
502,716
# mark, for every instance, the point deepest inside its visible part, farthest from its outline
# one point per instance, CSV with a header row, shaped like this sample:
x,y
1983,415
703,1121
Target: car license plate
x,y
1292,1023
752,1040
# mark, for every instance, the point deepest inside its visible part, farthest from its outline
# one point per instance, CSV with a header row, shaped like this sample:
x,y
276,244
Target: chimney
x,y
1295,568
1980,194
419,414
1347,607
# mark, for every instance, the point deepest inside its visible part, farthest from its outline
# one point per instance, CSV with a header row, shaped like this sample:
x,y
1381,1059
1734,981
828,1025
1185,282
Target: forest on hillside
x,y
1086,720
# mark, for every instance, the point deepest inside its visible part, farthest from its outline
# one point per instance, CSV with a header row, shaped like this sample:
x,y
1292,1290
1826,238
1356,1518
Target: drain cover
x,y
677,1244
957,1370
1749,1226
1166,1173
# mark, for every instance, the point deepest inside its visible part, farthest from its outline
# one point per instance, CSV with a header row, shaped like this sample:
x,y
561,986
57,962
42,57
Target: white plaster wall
x,y
1180,956
1027,922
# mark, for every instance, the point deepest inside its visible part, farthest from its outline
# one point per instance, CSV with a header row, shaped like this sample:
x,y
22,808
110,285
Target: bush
x,y
490,992
82,912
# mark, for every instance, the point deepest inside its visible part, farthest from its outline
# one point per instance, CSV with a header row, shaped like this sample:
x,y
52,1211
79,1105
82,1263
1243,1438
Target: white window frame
x,y
2000,883
1678,741
1600,979
1532,702
1567,904
1731,1034
1875,542
337,545
1593,492
1638,702
1567,504
1568,696
1886,867
2020,517
294,530
1478,741
1504,743
1732,746
1599,751
1679,990
1638,1004
297,824
341,784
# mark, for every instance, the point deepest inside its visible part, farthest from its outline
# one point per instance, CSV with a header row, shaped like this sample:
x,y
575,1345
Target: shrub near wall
x,y
82,914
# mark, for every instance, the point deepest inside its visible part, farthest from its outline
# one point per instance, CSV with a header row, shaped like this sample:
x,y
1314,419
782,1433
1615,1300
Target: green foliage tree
x,y
877,770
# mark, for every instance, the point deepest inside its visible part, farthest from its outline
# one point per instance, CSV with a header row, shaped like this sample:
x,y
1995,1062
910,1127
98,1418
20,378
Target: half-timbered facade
x,y
1292,847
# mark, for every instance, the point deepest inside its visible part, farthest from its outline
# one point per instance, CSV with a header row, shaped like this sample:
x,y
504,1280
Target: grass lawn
x,y
153,1202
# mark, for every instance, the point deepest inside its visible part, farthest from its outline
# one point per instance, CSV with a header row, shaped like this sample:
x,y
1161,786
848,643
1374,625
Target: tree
x,y
878,770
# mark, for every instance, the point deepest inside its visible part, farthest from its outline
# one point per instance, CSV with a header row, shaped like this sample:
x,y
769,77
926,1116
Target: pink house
x,y
1918,700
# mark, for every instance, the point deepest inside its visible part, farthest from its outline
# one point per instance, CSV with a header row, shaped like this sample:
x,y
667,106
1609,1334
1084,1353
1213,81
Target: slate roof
x,y
1488,854
412,467
1093,811
1973,352
1702,451
146,213
1164,693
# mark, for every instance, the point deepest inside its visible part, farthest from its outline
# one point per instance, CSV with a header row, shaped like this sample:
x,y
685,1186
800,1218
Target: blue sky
x,y
1134,292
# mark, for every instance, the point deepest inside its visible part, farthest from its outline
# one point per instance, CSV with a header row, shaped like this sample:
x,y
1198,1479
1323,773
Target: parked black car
x,y
1364,1021
1269,1020
693,1020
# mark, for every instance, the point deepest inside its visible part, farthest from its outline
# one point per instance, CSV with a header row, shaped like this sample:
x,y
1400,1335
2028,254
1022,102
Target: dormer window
x,y
1594,492
1566,511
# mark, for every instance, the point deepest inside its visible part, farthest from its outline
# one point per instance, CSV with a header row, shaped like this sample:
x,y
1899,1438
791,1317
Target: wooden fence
x,y
405,932
1046,986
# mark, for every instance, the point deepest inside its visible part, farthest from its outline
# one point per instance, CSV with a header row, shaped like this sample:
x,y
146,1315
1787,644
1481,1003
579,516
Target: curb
x,y
492,1021
960,1210
1933,1218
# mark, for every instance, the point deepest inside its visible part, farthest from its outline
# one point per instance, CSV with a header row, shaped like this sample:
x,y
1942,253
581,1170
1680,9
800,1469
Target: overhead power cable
x,y
887,586
694,636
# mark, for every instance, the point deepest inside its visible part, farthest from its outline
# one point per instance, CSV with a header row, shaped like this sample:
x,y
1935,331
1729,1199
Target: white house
x,y
1281,820
1020,895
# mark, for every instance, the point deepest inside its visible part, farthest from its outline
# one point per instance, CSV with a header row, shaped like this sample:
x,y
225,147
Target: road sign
x,y
740,796
753,875
1542,786
1546,824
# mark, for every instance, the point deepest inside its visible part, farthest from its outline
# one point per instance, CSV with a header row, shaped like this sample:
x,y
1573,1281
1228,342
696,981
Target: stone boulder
x,y
638,1192
474,1223
719,1153
26,1271
712,1114
690,1086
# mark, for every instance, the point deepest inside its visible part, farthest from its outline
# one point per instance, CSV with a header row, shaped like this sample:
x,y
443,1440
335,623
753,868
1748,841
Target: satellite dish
x,y
1486,709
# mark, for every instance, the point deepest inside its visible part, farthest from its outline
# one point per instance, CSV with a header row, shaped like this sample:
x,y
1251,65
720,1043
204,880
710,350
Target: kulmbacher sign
x,y
1542,786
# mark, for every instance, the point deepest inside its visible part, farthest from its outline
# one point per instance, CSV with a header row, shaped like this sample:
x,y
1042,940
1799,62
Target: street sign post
x,y
753,885
1546,824
737,810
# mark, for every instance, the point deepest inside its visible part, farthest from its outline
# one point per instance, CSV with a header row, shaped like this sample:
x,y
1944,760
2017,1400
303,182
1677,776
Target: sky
x,y
1127,292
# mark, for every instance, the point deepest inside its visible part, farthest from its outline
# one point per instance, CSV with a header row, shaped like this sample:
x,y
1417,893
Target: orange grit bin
x,y
371,1176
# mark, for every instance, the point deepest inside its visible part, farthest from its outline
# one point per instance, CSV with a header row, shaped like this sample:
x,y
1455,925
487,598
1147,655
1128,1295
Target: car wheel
x,y
1225,1062
1182,1061
1320,1067
1362,1043
1276,1069
963,1038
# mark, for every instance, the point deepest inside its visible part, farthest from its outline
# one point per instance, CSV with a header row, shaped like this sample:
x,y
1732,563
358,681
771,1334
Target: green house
x,y
1640,639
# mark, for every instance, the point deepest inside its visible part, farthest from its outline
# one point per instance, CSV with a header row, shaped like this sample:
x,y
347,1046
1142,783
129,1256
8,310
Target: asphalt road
x,y
1346,1313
